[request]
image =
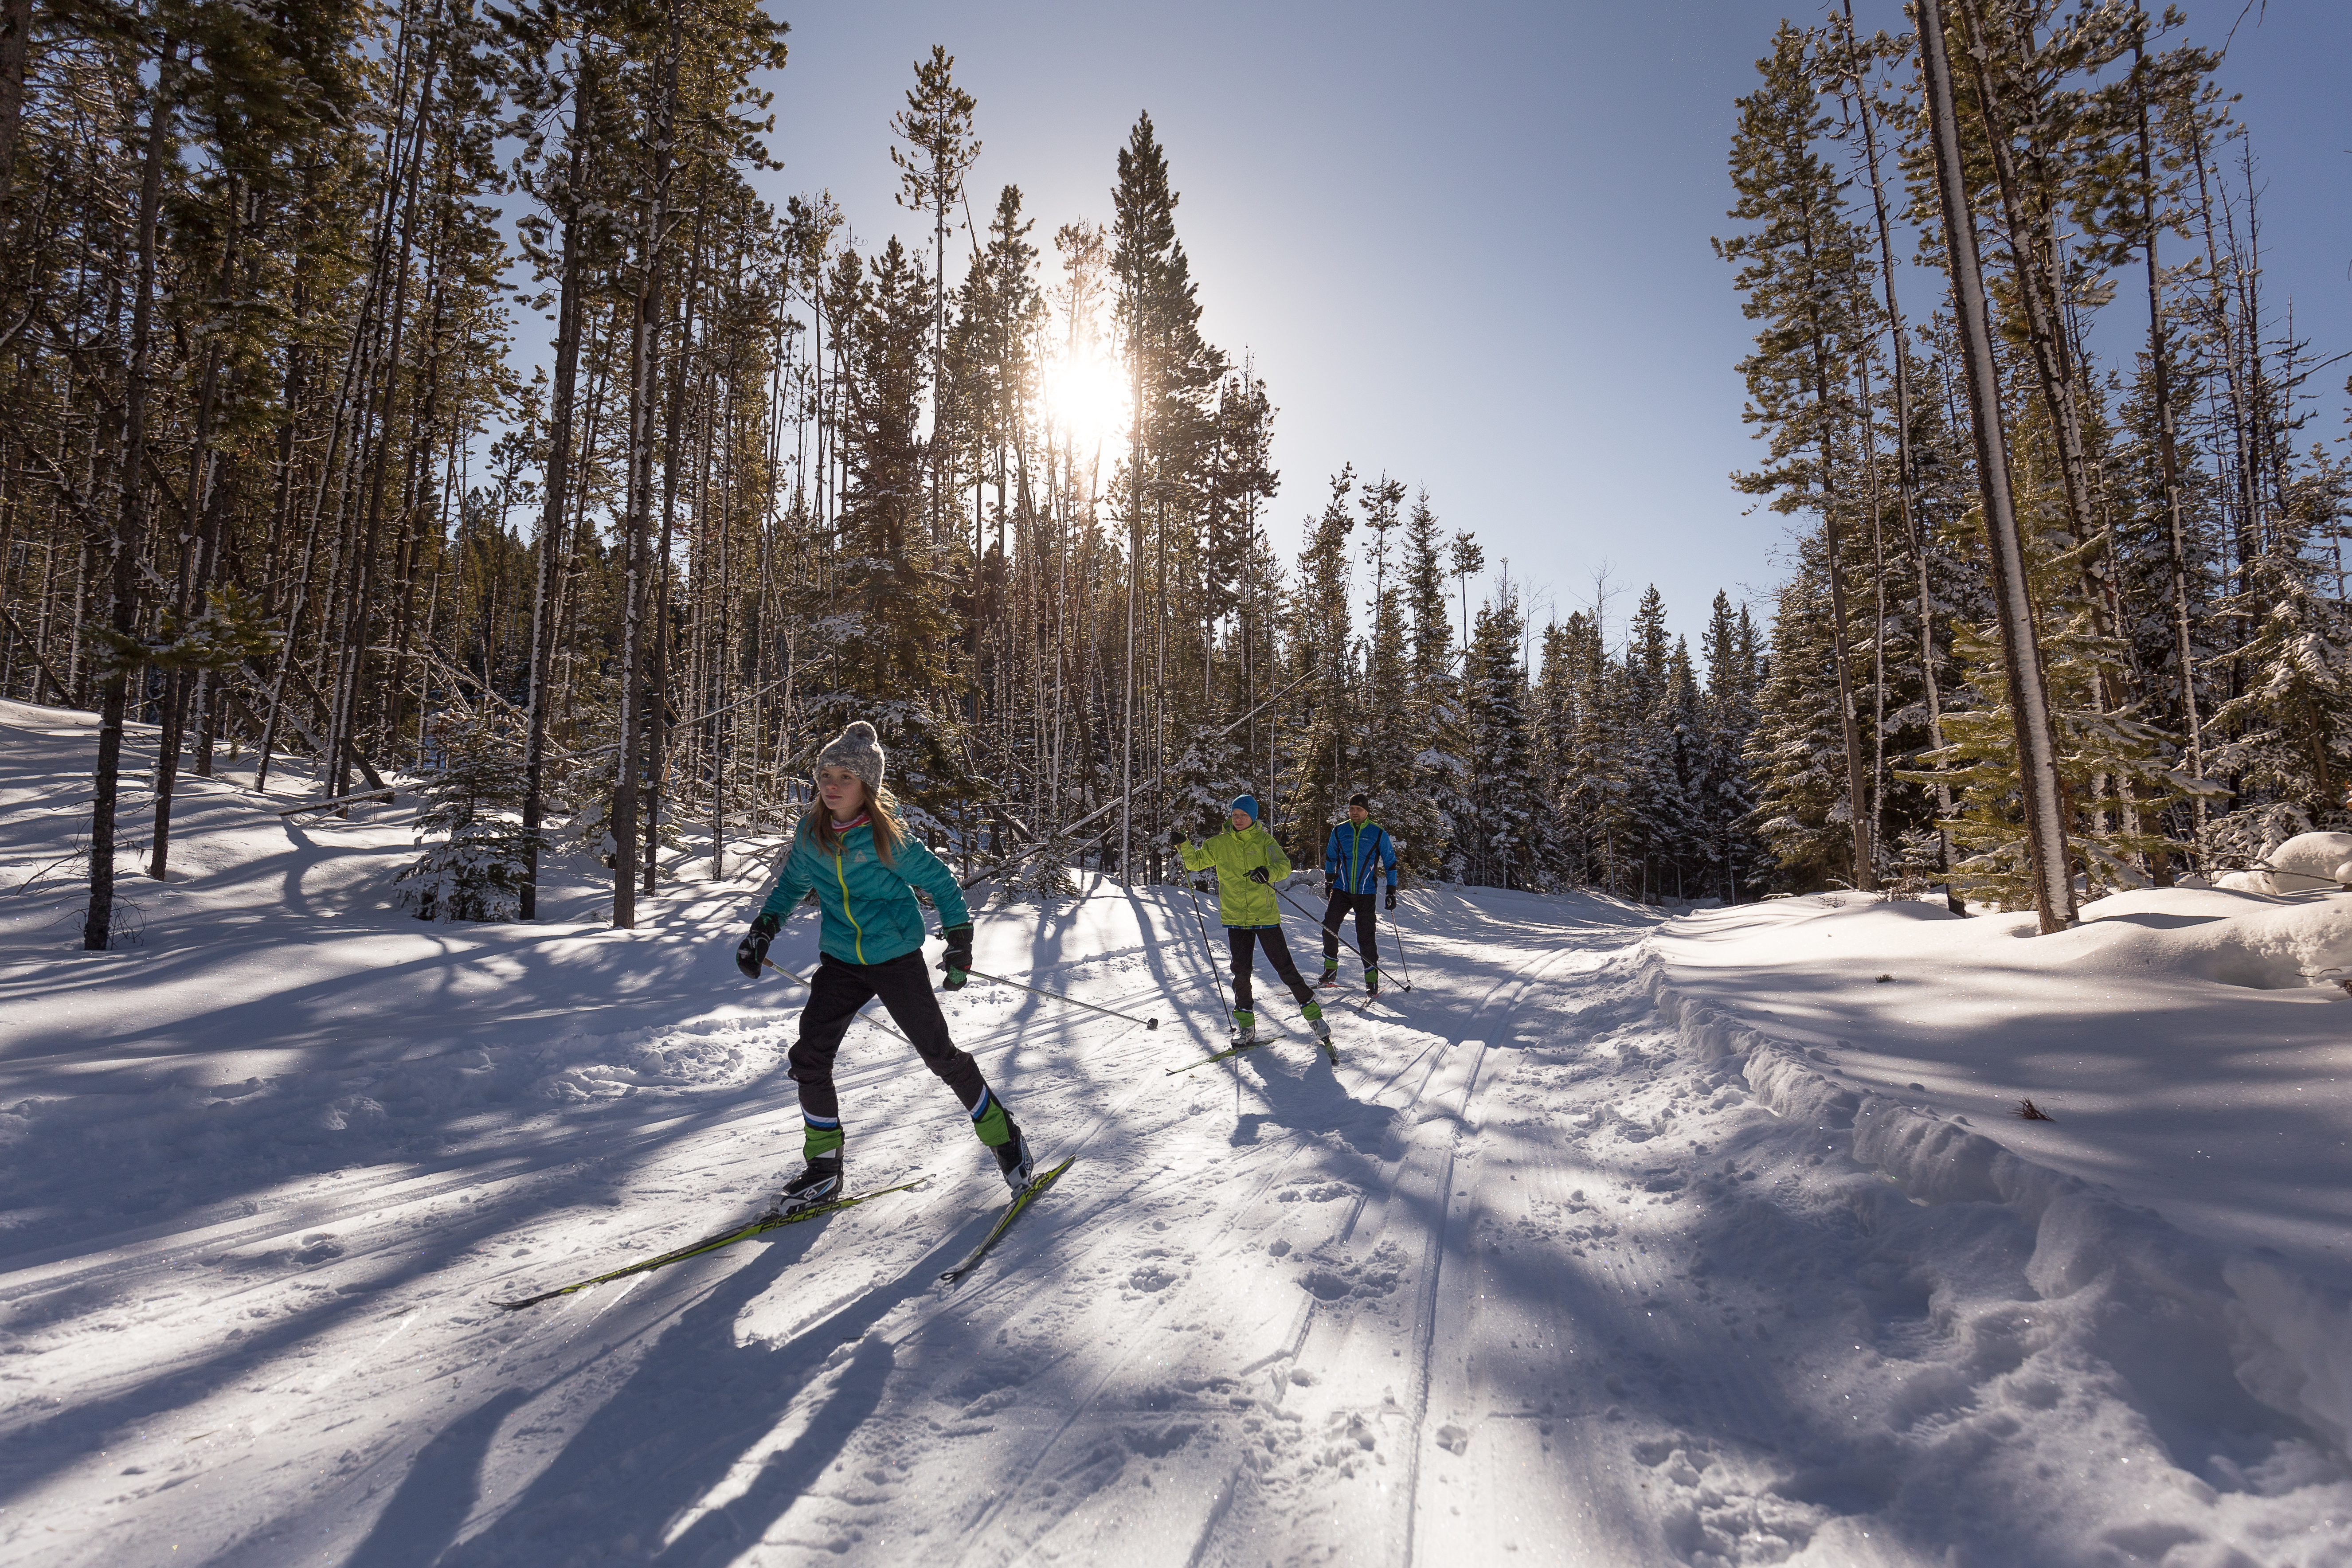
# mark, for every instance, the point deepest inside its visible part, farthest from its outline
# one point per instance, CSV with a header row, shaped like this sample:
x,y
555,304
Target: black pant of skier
x,y
1334,915
1278,952
837,992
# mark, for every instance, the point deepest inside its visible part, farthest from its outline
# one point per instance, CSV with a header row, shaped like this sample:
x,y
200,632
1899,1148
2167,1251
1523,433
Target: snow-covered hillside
x,y
1607,1243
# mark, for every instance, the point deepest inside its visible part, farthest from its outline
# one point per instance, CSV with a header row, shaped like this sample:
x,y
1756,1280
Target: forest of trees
x,y
425,392
2172,532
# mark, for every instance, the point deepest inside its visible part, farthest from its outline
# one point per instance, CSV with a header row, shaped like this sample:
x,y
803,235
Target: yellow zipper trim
x,y
857,939
1355,856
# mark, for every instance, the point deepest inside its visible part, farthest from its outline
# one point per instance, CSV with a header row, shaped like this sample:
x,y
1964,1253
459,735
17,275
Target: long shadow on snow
x,y
57,1441
64,1437
694,1407
301,1122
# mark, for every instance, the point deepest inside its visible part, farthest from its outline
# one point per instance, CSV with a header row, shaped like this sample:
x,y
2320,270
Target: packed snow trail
x,y
1521,1280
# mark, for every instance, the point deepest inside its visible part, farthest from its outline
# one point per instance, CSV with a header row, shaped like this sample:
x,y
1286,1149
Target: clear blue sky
x,y
1469,244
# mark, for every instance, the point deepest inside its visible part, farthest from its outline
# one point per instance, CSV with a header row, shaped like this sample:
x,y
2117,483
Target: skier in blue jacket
x,y
1353,859
854,854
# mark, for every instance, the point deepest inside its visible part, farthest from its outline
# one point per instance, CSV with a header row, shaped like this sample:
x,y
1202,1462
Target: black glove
x,y
1391,903
958,957
1178,836
1330,884
1257,875
752,951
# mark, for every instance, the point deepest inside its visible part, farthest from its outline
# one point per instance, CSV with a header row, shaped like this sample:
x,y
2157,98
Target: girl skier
x,y
1248,862
854,854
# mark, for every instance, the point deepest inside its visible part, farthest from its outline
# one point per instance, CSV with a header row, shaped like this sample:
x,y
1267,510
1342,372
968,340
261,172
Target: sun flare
x,y
1086,397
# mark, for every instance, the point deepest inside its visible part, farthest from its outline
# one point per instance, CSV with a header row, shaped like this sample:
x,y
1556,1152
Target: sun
x,y
1085,398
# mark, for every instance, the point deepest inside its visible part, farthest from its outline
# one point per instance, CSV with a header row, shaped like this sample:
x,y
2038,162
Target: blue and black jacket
x,y
1355,856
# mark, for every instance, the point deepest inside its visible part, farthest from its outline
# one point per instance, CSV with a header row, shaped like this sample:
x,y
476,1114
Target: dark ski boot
x,y
820,1184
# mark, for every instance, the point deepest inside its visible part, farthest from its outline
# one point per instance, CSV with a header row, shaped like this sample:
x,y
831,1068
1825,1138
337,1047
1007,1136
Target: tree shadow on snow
x,y
693,1408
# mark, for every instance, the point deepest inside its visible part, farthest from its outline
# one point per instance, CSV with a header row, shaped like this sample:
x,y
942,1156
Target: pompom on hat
x,y
856,750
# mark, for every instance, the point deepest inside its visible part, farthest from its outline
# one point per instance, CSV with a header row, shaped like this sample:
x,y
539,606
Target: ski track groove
x,y
1484,1017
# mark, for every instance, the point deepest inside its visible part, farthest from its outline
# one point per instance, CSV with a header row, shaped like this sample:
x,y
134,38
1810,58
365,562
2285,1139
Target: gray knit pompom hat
x,y
857,748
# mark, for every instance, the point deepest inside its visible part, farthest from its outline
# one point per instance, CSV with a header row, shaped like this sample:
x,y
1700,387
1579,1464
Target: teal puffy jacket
x,y
870,913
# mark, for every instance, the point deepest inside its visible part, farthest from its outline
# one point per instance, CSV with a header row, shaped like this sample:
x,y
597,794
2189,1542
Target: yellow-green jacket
x,y
1240,901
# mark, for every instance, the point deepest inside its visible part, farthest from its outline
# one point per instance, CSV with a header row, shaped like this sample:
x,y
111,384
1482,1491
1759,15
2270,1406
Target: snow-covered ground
x,y
1609,1242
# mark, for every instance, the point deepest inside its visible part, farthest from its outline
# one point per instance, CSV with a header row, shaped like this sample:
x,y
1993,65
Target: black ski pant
x,y
837,992
1278,952
1367,945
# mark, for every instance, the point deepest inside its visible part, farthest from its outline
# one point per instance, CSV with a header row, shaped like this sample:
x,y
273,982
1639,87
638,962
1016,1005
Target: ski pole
x,y
1192,888
1397,931
1310,914
1058,996
789,974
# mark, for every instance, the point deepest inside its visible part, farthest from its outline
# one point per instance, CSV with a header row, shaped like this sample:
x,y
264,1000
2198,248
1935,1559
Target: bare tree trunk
x,y
558,477
131,527
194,572
672,438
644,351
2029,700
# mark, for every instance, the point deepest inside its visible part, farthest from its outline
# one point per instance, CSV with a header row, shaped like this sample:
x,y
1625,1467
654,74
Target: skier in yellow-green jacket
x,y
1248,862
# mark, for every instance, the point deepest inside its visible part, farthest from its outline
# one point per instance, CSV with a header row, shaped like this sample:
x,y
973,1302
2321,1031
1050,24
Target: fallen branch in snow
x,y
2029,1111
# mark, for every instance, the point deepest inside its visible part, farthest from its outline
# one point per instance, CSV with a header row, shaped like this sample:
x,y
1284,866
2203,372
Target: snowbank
x,y
2191,1047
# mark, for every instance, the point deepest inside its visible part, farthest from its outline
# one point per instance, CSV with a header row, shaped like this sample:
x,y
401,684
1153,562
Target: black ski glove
x,y
1391,903
1330,884
1257,875
1178,836
958,957
752,951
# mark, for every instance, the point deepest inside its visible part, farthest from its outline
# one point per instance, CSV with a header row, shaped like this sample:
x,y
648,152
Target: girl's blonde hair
x,y
881,813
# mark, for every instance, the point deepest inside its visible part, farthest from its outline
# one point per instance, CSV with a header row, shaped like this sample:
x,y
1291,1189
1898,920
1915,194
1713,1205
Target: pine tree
x,y
1504,805
892,645
1322,654
1724,800
1435,809
475,862
1801,271
1385,759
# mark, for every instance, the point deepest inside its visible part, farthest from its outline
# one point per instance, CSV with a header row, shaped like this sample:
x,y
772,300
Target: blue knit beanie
x,y
1245,802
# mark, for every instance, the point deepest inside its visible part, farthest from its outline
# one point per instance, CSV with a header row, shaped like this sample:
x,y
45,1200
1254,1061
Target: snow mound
x,y
2304,862
2146,1252
2224,936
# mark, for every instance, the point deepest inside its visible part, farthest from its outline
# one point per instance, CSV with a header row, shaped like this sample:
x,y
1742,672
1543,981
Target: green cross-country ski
x,y
766,1222
1013,1211
1221,1056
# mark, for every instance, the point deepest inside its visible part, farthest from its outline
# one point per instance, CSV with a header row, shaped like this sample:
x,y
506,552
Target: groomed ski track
x,y
1521,1280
